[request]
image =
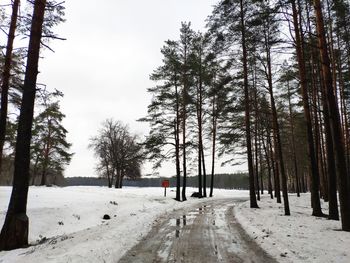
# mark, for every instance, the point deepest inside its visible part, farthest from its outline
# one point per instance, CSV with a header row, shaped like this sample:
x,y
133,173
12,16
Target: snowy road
x,y
204,233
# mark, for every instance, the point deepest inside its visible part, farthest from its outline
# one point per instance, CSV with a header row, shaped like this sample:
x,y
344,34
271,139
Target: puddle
x,y
193,213
178,226
203,209
164,251
182,222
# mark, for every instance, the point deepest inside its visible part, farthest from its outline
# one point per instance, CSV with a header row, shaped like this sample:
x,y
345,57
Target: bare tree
x,y
119,153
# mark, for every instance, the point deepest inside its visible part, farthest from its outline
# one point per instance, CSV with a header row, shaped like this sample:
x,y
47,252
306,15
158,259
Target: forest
x,y
268,80
266,83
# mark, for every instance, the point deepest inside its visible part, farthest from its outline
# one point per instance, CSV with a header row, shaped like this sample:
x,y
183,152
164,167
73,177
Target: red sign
x,y
165,183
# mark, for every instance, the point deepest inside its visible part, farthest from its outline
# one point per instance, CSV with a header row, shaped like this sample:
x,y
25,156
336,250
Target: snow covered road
x,y
66,224
206,232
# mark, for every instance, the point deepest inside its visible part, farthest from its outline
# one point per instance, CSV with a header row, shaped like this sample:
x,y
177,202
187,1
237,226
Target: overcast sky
x,y
103,67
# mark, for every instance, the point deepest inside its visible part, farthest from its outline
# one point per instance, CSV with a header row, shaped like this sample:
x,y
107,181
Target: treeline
x,y
52,177
223,181
268,80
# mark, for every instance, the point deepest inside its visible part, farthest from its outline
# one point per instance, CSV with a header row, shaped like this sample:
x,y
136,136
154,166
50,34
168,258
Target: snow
x,y
67,225
296,238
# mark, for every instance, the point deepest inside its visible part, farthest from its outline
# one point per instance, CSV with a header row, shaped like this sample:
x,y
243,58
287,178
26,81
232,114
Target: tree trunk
x,y
204,174
35,169
344,102
184,116
291,122
256,144
214,124
274,169
331,169
117,178
317,135
200,167
177,160
14,233
337,135
279,158
314,177
108,176
253,202
261,166
276,131
177,143
199,119
268,168
43,176
6,75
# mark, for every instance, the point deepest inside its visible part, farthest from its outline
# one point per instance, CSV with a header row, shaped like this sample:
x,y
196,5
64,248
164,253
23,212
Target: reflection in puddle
x,y
188,219
177,232
193,213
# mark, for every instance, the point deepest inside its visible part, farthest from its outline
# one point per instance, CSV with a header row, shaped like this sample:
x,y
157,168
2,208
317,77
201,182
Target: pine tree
x,y
164,113
14,233
6,75
316,205
336,130
49,140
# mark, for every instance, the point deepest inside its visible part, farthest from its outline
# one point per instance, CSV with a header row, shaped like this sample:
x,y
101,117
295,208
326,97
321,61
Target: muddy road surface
x,y
204,233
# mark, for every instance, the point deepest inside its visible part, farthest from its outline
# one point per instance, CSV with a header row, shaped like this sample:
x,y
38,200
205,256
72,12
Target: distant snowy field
x,y
296,238
71,218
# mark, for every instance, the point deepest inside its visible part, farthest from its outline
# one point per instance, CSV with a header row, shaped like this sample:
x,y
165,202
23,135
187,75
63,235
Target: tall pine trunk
x,y
256,144
184,116
253,202
314,176
276,130
204,174
337,135
214,126
267,157
177,143
14,233
291,122
200,145
6,75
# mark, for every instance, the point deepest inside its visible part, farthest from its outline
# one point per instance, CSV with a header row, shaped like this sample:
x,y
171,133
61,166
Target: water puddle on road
x,y
205,223
182,222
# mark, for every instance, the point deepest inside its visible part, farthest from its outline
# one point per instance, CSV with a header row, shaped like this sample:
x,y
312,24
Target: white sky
x,y
103,68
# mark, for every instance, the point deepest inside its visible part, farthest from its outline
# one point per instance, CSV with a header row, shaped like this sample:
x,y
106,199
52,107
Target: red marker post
x,y
165,184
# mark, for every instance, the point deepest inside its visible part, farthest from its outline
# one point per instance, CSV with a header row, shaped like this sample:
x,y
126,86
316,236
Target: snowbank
x,y
68,221
296,238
